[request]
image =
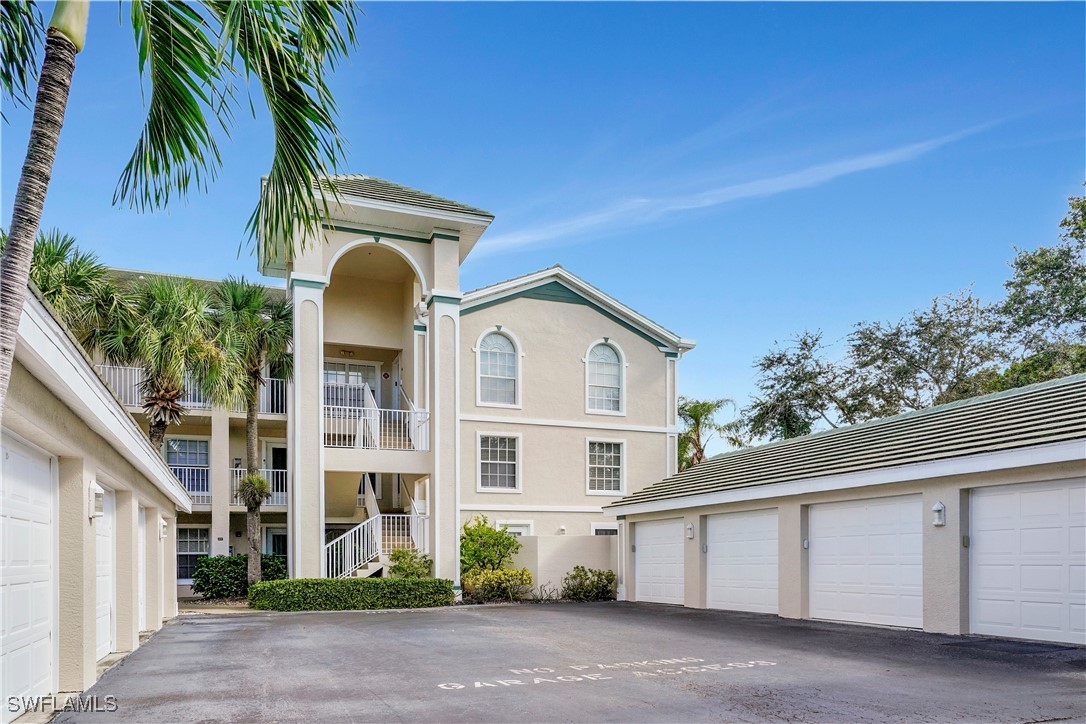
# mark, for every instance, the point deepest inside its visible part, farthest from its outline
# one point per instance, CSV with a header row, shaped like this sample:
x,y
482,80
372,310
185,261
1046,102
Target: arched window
x,y
497,370
604,379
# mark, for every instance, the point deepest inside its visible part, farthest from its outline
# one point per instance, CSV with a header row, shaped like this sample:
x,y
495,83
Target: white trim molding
x,y
593,425
622,366
530,525
1058,452
486,508
518,463
621,466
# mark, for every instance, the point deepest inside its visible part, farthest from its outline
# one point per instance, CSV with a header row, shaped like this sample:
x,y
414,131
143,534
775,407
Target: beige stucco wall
x,y
367,312
33,413
551,557
945,559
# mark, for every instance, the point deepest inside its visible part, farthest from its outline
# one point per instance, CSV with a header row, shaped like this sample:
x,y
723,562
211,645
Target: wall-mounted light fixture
x,y
938,514
690,531
96,502
162,528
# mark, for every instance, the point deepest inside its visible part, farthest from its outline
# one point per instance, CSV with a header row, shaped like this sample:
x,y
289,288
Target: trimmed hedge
x,y
228,576
350,594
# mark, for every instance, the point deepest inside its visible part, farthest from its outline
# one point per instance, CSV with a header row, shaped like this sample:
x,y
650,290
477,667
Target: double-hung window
x,y
498,463
604,379
189,461
192,545
497,370
604,467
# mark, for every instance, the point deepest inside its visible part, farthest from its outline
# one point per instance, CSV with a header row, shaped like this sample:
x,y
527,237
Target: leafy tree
x,y
262,329
699,427
1050,364
74,282
1046,296
169,331
194,56
484,547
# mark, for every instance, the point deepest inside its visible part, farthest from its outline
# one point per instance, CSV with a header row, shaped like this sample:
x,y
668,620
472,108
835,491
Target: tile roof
x,y
1035,415
369,187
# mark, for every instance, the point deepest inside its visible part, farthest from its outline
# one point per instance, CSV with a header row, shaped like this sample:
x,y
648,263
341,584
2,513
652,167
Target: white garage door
x,y
1028,561
866,561
26,574
658,561
104,564
741,562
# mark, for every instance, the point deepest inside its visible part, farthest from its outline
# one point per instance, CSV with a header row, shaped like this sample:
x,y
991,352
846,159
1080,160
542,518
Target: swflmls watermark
x,y
55,704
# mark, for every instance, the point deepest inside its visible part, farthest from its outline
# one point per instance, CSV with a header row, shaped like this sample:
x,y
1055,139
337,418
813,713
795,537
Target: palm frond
x,y
178,51
21,30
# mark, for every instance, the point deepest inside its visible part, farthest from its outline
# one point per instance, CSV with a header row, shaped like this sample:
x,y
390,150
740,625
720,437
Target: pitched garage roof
x,y
1035,415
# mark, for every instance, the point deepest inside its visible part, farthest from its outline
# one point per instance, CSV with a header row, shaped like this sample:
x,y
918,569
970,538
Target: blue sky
x,y
737,172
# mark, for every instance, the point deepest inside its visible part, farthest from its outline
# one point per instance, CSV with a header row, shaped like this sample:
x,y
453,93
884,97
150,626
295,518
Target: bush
x,y
484,547
350,594
507,584
589,584
408,563
228,576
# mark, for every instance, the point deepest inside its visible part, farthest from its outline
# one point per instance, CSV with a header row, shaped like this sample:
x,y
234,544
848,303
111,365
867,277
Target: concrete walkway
x,y
580,662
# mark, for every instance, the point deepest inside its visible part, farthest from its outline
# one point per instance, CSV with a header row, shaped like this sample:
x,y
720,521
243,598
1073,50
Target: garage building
x,y
968,517
87,522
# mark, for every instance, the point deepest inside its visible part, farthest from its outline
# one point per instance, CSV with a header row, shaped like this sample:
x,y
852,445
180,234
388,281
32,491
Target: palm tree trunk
x,y
49,107
156,433
252,521
252,432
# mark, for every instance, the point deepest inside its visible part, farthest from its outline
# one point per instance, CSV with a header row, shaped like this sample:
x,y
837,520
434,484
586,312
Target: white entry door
x,y
104,549
658,561
741,561
866,561
27,577
1027,555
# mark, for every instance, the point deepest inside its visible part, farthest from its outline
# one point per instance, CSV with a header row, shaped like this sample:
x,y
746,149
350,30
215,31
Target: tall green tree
x,y
73,281
197,59
170,332
262,328
700,426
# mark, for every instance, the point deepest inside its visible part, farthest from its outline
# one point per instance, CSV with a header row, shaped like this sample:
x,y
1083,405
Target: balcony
x,y
197,480
277,480
125,383
353,420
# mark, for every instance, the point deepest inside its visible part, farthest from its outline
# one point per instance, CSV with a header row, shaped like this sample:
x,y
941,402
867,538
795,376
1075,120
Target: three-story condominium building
x,y
415,407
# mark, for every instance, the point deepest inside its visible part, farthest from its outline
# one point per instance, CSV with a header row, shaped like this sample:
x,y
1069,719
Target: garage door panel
x,y
658,561
1026,561
741,562
866,561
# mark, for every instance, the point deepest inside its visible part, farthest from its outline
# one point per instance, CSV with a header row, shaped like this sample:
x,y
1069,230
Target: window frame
x,y
604,526
621,466
518,463
528,524
623,366
177,553
518,377
208,467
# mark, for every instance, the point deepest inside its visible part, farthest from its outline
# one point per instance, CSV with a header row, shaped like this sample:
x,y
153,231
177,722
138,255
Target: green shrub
x,y
589,584
484,547
506,584
228,576
350,594
408,563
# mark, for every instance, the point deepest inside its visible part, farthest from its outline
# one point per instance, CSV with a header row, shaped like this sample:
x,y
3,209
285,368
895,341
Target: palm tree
x,y
263,328
195,56
699,418
170,332
74,282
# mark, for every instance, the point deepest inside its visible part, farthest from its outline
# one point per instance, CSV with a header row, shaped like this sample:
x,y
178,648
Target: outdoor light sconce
x,y
162,524
96,502
938,514
690,531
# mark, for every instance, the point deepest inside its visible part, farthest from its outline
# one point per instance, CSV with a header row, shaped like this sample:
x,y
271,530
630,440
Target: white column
x,y
305,515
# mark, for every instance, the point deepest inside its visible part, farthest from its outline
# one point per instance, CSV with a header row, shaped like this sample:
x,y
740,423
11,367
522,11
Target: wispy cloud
x,y
636,211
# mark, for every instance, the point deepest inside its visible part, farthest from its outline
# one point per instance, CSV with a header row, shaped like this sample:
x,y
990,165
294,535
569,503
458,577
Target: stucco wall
x,y
551,557
945,559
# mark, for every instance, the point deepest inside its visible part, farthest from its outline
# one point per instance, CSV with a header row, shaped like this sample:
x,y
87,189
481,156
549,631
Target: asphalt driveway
x,y
579,662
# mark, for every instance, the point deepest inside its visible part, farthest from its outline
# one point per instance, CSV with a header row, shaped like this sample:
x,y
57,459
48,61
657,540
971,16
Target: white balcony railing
x,y
125,383
196,480
375,537
374,429
277,480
